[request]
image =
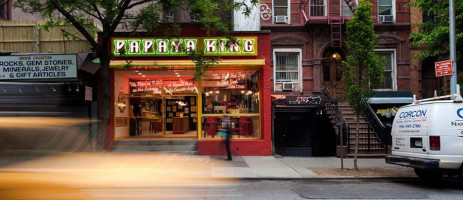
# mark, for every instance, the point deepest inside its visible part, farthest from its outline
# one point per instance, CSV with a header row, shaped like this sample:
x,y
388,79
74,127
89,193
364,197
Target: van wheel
x,y
428,174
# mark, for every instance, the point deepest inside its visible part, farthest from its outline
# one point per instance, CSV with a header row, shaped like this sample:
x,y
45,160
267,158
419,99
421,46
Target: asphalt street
x,y
151,175
409,188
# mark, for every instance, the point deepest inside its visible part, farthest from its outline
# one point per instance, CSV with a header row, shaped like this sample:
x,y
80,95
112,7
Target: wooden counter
x,y
180,125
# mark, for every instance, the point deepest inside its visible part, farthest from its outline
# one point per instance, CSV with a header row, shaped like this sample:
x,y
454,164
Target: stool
x,y
210,127
246,128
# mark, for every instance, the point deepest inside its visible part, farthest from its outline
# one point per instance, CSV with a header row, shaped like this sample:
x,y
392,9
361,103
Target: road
x,y
37,186
134,176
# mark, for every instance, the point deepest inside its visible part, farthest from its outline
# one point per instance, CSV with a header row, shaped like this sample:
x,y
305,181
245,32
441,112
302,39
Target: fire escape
x,y
336,19
335,12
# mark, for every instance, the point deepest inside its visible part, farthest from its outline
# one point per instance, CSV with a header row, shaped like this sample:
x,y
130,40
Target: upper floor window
x,y
346,10
281,13
429,16
287,70
386,11
317,8
194,19
390,77
170,16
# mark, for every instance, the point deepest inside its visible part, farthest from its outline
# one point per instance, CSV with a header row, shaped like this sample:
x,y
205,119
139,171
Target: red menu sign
x,y
444,68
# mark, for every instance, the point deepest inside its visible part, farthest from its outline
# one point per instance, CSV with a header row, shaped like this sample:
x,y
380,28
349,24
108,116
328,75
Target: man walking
x,y
226,129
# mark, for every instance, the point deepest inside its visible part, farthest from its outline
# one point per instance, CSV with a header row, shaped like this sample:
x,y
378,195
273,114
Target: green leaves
x,y
363,70
433,34
215,15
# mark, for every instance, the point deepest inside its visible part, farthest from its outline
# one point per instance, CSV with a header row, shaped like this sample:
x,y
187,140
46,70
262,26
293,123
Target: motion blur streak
x,y
40,122
140,175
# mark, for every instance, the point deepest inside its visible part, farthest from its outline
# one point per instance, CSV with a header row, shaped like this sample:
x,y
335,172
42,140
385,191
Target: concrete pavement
x,y
200,166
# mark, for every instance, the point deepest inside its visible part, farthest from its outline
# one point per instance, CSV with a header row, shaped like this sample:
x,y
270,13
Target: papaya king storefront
x,y
158,96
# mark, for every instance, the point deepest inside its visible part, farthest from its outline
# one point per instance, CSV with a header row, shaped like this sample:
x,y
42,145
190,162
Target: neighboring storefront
x,y
157,96
42,88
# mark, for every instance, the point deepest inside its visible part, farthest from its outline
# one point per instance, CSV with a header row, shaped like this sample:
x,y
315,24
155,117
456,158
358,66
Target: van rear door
x,y
410,131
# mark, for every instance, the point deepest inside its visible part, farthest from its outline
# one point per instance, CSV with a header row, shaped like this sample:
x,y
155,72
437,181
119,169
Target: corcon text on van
x,y
413,114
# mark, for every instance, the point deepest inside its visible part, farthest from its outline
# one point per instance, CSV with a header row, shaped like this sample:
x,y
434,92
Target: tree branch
x,y
138,3
91,14
95,8
119,16
76,24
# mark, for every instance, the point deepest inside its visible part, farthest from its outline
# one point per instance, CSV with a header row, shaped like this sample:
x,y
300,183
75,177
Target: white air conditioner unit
x,y
288,86
281,19
386,18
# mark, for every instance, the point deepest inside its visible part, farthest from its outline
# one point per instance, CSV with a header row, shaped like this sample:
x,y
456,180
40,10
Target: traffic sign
x,y
444,68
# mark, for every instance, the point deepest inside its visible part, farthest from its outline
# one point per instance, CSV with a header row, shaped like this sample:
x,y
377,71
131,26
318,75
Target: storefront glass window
x,y
233,95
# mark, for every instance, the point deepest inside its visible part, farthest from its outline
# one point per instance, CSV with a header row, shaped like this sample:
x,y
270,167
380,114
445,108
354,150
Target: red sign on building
x,y
444,68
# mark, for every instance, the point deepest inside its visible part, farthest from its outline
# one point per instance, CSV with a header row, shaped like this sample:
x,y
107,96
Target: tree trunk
x,y
356,141
103,137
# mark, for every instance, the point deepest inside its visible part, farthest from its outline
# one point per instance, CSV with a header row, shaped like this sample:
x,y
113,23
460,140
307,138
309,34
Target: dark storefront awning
x,y
290,109
391,97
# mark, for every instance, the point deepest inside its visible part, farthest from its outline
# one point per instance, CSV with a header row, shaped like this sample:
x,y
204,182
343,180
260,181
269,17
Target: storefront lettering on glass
x,y
239,46
229,80
305,100
155,86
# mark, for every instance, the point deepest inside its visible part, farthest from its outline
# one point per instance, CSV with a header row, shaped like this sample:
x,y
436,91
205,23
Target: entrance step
x,y
188,147
295,151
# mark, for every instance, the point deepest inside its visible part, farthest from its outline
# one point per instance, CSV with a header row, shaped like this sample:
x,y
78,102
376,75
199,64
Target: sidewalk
x,y
175,165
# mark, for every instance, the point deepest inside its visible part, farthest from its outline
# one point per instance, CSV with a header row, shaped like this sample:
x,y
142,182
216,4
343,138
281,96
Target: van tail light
x,y
434,142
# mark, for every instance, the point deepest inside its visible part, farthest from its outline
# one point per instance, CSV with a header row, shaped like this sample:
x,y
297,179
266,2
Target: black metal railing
x,y
373,138
331,105
381,131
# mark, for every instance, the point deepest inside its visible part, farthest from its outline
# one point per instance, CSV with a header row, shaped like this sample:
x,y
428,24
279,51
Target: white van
x,y
428,136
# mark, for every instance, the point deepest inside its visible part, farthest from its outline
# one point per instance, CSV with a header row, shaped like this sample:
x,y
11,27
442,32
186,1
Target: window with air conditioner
x,y
390,69
281,13
386,11
287,70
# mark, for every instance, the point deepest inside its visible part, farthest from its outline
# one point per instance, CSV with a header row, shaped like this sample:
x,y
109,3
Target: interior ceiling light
x,y
143,75
217,92
139,73
228,75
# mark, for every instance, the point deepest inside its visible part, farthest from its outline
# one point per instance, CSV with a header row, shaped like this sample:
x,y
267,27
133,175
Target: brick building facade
x,y
308,44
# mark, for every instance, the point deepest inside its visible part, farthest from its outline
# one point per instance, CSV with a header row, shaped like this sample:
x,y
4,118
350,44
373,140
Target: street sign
x,y
444,68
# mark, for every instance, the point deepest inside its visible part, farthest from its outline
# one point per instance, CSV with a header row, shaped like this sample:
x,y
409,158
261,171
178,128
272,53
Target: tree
x,y
363,71
112,13
433,33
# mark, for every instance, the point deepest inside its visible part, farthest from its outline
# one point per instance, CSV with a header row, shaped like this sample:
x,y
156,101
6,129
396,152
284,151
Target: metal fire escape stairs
x,y
336,20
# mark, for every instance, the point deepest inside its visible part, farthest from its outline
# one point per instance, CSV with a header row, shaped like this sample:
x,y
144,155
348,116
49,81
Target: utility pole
x,y
453,56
